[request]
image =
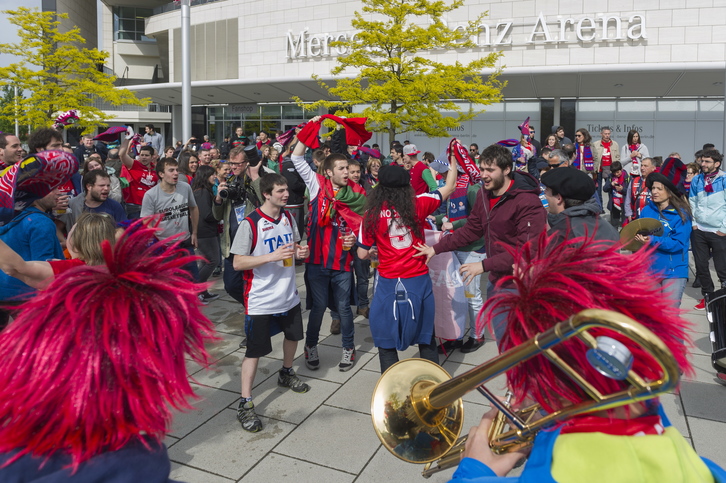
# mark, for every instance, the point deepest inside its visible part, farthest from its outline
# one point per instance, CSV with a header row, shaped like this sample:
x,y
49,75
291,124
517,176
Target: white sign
x,y
589,29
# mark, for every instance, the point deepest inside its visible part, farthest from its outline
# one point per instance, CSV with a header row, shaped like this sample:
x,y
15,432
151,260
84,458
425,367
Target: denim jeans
x,y
388,357
321,280
191,267
234,285
673,288
499,320
473,290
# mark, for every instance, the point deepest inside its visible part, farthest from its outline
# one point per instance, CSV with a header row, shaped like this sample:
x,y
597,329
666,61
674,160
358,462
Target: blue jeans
x,y
473,290
499,320
673,289
321,281
234,285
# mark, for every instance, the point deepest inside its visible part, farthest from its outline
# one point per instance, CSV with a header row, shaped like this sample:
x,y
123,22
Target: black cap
x,y
659,177
394,176
571,183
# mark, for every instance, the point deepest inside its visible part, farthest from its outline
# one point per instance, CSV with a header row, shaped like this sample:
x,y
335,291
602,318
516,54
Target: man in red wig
x,y
629,443
92,367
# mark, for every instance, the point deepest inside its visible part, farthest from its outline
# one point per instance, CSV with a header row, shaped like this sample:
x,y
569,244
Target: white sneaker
x,y
348,360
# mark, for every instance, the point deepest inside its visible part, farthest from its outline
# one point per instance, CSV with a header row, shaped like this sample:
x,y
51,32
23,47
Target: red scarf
x,y
355,131
348,202
464,160
641,426
618,196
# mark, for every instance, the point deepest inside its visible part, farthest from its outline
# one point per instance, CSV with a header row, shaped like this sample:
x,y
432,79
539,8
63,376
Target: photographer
x,y
237,196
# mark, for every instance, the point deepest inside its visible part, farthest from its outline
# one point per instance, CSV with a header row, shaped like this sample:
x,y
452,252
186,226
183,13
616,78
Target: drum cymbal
x,y
641,226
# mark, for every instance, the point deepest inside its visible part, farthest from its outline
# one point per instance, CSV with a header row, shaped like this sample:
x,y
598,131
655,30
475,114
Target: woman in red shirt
x,y
84,246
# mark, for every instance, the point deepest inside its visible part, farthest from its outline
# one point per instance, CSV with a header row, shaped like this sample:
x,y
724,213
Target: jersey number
x,y
400,236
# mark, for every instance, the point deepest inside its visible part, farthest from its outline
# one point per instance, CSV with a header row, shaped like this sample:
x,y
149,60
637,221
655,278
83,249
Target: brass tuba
x,y
418,413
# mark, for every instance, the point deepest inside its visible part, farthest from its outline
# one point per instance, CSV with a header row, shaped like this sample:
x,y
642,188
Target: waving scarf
x,y
33,178
349,202
587,154
355,131
463,158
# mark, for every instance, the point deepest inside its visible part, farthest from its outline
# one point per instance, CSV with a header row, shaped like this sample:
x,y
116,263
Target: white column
x,y
186,73
556,113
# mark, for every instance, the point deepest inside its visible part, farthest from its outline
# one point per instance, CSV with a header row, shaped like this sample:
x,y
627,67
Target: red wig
x,y
555,281
98,358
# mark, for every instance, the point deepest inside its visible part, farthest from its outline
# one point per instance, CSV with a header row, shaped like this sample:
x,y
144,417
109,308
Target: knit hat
x,y
394,176
675,171
570,183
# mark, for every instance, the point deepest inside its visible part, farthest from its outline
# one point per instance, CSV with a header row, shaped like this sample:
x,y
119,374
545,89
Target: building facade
x,y
653,65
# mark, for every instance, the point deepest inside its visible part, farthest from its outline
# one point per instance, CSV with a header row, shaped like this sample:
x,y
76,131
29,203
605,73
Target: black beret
x,y
659,177
394,176
571,183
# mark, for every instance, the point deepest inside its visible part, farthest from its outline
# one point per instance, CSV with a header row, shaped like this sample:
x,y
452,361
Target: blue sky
x,y
8,30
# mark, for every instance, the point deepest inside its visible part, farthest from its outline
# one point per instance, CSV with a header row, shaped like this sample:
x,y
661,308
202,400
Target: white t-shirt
x,y
270,288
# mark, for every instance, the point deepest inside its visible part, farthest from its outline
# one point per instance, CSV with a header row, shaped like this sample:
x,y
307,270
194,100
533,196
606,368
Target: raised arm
x,y
450,185
123,153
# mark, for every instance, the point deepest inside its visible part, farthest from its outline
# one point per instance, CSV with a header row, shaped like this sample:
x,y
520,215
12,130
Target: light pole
x,y
186,73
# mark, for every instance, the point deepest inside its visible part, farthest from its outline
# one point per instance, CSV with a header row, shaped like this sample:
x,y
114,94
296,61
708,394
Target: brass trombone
x,y
418,413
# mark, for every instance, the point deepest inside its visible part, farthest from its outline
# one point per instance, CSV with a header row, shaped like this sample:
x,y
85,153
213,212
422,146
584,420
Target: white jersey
x,y
270,288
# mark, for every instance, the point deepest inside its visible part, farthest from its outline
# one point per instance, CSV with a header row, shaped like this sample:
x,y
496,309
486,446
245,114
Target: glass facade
x,y
224,120
128,23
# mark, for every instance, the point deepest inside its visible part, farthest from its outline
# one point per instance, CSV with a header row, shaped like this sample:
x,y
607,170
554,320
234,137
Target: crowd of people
x,y
253,210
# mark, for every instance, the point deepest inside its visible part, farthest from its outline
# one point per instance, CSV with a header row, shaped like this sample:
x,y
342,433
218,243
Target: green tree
x,y
56,73
7,101
405,89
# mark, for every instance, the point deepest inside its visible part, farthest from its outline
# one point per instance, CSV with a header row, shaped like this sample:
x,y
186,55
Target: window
x,y
128,23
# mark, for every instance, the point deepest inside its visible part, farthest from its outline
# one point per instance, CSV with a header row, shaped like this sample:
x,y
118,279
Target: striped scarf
x,y
587,155
349,202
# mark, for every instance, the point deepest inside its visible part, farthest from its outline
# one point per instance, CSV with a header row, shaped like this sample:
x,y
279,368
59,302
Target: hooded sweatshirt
x,y
582,220
515,219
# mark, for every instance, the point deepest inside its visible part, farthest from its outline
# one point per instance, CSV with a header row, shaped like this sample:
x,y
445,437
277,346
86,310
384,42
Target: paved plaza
x,y
326,435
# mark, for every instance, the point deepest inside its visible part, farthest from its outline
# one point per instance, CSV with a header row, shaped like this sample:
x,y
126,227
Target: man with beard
x,y
97,186
507,211
708,238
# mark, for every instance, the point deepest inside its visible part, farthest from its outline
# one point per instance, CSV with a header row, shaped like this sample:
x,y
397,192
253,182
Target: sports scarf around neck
x,y
349,202
708,180
585,153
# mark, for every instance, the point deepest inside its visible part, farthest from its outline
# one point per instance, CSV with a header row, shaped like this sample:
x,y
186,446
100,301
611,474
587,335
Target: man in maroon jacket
x,y
507,211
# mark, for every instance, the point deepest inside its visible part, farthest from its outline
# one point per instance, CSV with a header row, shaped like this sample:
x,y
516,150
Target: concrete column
x,y
556,113
176,125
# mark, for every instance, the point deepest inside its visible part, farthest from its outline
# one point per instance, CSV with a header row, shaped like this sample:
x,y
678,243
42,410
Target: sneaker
x,y
202,300
247,417
312,360
208,297
217,272
291,380
348,360
472,345
335,327
364,311
701,305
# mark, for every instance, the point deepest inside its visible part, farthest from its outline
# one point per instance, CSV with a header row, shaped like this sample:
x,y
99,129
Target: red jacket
x,y
516,218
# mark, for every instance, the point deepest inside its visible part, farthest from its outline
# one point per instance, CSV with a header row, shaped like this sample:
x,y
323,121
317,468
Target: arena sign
x,y
588,28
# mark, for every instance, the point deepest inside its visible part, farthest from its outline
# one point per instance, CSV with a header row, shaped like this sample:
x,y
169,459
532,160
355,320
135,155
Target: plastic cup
x,y
344,232
287,262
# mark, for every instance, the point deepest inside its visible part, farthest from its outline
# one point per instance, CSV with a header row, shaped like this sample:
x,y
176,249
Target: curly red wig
x,y
98,358
557,280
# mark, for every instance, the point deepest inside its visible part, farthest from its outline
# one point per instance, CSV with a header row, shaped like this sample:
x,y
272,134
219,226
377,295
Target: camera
x,y
252,155
234,191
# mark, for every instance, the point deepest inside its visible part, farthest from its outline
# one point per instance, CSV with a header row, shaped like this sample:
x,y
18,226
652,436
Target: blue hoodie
x,y
671,256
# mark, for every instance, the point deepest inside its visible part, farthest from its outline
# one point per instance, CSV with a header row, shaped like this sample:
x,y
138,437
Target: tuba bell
x,y
418,413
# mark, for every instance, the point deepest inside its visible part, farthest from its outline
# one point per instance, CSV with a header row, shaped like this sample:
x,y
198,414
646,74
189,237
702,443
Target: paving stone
x,y
212,402
226,372
275,402
329,360
674,410
193,475
281,469
356,393
704,401
333,437
708,439
220,446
